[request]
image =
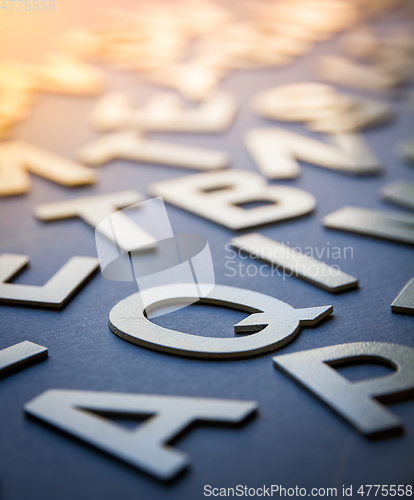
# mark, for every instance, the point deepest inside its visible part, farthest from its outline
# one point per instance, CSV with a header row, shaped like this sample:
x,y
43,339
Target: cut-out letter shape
x,y
304,101
343,71
399,192
147,446
271,324
55,293
133,146
361,43
18,158
305,267
165,113
404,302
377,223
322,107
63,74
407,149
217,196
192,80
94,209
19,355
358,402
364,113
276,151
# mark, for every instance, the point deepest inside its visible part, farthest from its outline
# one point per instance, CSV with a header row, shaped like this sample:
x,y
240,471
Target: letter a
x,y
145,447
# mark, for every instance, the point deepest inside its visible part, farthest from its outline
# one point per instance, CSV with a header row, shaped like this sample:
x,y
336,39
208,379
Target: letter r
x,y
357,402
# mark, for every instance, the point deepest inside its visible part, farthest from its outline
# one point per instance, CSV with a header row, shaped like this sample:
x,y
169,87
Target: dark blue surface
x,y
294,440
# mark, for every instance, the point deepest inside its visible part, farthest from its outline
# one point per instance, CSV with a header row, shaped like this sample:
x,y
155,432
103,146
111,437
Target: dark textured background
x,y
294,440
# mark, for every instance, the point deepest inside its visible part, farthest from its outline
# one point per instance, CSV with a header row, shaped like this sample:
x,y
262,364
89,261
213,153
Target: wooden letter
x,y
165,113
399,192
118,228
404,302
20,355
343,71
146,447
275,152
217,196
378,223
319,274
135,147
271,324
17,158
55,293
355,402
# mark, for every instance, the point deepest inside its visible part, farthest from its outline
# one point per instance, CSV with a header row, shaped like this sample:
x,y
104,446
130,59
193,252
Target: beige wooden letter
x,y
133,146
218,196
276,152
18,158
94,209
